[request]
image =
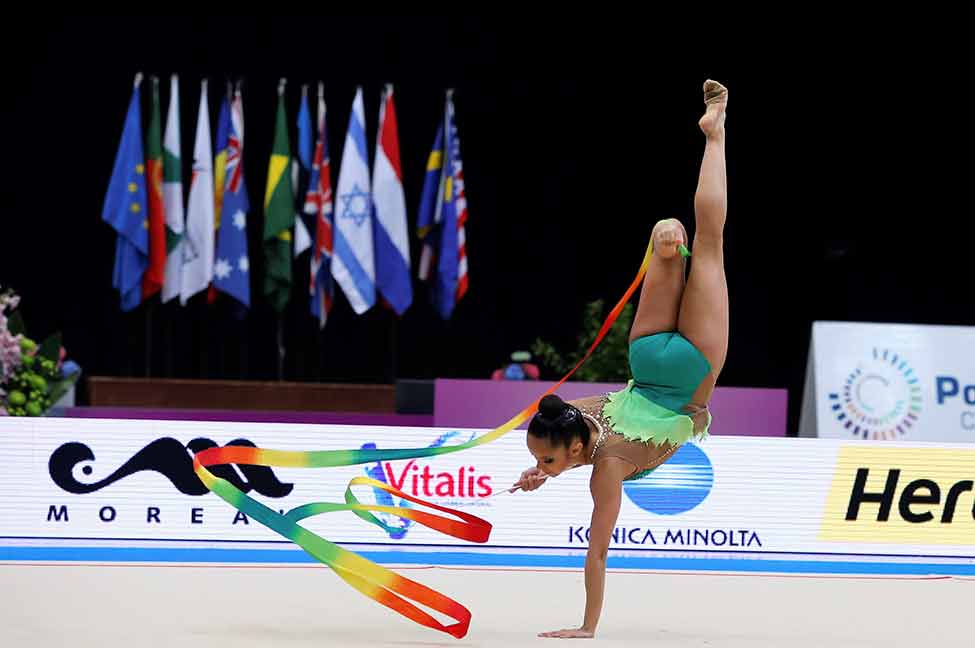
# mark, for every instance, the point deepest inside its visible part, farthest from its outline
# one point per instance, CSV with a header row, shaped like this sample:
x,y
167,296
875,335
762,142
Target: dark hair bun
x,y
558,422
552,407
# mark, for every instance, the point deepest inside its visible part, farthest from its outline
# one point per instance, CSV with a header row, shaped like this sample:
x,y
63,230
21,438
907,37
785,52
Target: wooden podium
x,y
104,391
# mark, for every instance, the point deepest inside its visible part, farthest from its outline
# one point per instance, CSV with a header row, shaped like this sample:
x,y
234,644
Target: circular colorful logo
x,y
676,486
881,398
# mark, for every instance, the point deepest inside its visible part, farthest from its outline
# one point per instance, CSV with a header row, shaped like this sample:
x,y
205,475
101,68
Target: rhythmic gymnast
x,y
678,345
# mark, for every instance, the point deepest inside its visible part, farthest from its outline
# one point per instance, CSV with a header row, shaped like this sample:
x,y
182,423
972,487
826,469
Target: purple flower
x,y
10,357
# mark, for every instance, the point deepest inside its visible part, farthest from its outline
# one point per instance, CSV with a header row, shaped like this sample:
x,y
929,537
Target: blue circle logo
x,y
677,486
881,398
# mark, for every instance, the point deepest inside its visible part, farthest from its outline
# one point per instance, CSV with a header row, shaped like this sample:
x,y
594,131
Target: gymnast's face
x,y
552,459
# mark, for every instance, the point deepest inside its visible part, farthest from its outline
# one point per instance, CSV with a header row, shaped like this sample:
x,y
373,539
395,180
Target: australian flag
x,y
231,266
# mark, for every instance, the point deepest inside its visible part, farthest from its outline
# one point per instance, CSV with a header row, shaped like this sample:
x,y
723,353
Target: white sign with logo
x,y
131,483
890,381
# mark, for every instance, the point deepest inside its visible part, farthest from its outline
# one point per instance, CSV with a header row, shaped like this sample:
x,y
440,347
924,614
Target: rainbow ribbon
x,y
378,583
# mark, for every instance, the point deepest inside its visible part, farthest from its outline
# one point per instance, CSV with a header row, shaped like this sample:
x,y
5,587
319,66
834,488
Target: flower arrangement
x,y
32,376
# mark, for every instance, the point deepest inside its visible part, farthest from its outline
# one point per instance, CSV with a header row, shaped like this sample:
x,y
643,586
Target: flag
x,y
392,245
279,215
300,173
305,133
152,280
231,267
318,202
430,214
352,263
220,159
173,197
443,217
198,241
456,200
219,174
125,208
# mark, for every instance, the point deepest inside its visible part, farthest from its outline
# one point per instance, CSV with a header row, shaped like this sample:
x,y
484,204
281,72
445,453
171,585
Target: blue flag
x,y
220,158
442,219
305,133
125,209
430,214
353,264
231,266
301,174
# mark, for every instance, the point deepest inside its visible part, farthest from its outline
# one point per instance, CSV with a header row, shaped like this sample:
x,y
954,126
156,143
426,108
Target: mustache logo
x,y
170,458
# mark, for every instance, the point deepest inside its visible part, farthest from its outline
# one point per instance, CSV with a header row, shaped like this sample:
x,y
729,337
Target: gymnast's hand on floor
x,y
569,633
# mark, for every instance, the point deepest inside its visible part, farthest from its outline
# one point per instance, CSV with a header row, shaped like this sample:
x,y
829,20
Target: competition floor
x,y
47,604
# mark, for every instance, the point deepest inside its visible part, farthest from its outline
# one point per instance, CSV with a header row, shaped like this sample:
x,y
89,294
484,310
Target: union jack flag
x,y
318,202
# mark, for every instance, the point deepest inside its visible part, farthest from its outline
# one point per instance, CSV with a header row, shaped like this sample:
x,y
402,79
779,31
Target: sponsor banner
x,y
131,483
920,496
882,382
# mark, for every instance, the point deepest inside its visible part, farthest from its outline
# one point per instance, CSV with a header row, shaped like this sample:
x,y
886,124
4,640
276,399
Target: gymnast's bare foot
x,y
716,98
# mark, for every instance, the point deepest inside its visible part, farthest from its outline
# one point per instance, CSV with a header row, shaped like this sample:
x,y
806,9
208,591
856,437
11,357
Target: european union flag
x,y
125,209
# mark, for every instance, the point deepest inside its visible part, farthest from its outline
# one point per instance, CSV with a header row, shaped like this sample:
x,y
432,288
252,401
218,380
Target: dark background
x,y
849,149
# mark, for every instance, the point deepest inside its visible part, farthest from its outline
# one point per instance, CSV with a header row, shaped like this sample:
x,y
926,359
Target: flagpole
x,y
280,346
169,335
203,332
393,346
446,363
279,319
149,308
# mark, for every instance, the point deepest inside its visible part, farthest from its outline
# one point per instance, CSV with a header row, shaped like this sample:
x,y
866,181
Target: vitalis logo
x,y
463,484
170,458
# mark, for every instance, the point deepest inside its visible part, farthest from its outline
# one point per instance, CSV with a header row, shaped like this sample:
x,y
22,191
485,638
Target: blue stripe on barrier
x,y
480,558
